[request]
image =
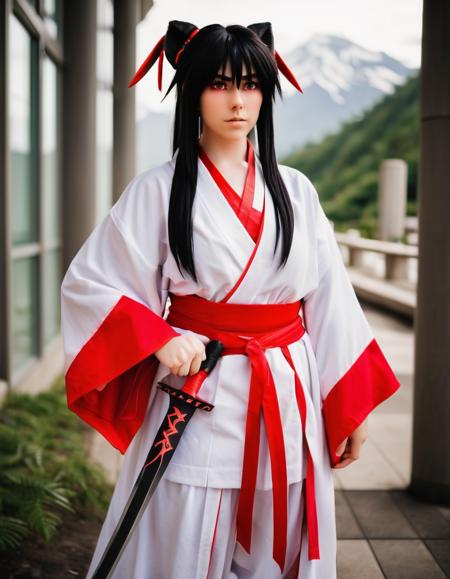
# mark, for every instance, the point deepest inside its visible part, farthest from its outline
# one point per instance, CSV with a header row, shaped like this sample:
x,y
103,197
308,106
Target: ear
x,y
264,31
177,34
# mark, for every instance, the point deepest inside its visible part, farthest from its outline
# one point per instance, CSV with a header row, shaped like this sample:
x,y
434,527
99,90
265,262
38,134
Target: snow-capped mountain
x,y
339,79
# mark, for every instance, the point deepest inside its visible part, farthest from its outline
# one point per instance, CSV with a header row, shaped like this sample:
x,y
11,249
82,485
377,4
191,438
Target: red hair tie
x,y
157,53
191,36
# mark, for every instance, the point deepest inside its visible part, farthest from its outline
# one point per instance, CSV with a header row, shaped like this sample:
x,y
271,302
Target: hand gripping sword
x,y
183,404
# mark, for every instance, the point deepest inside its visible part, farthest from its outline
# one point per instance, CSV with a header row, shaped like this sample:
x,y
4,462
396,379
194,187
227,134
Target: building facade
x,y
66,151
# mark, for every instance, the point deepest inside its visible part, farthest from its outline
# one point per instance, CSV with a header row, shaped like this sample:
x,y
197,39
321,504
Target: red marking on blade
x,y
164,442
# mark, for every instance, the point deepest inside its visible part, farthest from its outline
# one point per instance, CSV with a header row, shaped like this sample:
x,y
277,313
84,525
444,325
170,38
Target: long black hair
x,y
198,64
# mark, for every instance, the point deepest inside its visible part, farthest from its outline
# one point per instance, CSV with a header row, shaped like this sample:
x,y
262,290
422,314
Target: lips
x,y
231,120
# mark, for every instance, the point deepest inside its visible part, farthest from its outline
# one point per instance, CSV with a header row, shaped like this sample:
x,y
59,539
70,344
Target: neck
x,y
218,150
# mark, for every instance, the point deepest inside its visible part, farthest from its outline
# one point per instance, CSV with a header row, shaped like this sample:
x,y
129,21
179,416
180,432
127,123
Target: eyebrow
x,y
245,76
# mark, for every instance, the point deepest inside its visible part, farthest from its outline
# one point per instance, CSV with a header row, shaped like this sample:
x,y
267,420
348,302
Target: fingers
x,y
196,362
189,356
351,451
343,463
340,449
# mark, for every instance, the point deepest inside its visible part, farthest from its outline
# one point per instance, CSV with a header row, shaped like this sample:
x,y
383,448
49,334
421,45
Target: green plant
x,y
43,467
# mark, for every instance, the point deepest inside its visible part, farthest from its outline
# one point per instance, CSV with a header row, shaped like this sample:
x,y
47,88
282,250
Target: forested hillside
x,y
344,166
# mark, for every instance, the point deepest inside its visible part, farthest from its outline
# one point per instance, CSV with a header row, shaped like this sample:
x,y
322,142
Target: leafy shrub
x,y
44,471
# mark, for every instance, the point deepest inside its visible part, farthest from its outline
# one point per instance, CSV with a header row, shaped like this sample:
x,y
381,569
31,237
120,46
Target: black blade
x,y
157,460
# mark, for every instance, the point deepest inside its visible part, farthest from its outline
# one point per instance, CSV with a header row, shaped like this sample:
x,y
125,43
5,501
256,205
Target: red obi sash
x,y
264,326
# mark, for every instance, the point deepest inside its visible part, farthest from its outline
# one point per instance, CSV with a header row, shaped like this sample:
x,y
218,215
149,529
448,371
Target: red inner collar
x,y
242,205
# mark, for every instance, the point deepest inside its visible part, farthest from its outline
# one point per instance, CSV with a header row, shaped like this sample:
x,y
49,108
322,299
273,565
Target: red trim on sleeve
x,y
368,382
119,357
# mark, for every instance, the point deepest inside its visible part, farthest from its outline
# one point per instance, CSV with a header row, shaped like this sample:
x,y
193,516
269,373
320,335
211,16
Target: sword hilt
x,y
213,350
192,384
179,394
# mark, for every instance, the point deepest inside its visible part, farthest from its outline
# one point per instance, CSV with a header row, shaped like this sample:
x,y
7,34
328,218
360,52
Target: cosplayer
x,y
245,253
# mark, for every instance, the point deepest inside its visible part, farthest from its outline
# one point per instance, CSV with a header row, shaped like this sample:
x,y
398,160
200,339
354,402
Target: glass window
x,y
105,13
105,53
52,280
104,152
24,310
23,132
104,121
52,16
34,117
50,152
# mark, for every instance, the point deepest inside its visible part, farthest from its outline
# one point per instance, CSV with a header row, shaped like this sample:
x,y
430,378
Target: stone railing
x,y
394,287
396,254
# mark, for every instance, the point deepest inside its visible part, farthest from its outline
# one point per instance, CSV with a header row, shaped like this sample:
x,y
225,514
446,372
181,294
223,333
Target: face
x,y
222,101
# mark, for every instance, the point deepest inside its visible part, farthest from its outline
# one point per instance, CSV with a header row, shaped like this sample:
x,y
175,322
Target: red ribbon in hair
x,y
158,53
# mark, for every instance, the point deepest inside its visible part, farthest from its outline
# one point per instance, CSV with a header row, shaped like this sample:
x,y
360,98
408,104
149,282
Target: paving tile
x,y
370,471
346,524
440,548
402,400
406,559
378,515
355,560
445,511
396,339
392,435
336,480
426,518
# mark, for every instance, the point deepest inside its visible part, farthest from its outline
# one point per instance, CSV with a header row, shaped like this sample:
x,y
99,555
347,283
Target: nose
x,y
236,96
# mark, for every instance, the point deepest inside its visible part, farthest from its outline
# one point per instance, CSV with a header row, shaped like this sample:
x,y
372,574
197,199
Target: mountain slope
x,y
344,166
340,79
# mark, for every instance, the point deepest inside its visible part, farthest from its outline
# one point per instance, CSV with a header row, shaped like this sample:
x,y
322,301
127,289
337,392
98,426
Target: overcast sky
x,y
392,26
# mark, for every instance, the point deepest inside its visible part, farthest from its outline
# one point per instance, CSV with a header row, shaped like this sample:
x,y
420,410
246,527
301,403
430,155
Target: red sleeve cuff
x,y
119,355
367,383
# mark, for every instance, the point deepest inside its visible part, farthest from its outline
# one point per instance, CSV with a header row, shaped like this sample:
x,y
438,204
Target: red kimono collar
x,y
242,205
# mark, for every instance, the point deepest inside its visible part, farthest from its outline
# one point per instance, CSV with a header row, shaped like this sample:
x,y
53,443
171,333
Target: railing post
x,y
392,199
396,267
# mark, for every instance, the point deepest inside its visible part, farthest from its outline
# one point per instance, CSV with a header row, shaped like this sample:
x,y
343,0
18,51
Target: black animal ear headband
x,y
178,36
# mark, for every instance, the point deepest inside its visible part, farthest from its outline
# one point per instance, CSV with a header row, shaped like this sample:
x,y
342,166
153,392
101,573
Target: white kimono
x,y
113,302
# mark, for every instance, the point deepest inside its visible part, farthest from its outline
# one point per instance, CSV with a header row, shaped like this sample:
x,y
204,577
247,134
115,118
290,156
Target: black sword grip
x,y
214,349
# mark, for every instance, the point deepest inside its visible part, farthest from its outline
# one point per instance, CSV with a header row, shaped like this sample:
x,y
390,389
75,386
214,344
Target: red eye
x,y
217,82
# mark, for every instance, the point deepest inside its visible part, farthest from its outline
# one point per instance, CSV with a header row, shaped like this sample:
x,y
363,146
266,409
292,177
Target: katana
x,y
182,405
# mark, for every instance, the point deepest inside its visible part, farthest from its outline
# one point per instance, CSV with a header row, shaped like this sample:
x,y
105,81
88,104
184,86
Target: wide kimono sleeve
x,y
112,301
353,372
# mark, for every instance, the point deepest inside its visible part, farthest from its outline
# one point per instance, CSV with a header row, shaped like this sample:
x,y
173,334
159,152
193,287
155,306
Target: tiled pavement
x,y
389,534
382,531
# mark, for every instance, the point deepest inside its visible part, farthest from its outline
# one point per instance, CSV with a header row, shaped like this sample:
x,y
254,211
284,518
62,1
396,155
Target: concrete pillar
x,y
79,114
431,419
124,148
392,199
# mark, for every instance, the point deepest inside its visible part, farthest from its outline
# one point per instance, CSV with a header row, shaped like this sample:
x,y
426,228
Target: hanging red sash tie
x,y
250,329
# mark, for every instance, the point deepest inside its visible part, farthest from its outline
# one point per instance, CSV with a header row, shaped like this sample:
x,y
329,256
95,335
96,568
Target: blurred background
x,y
372,131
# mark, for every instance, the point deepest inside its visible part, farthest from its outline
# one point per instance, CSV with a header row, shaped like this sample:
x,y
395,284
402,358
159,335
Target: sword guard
x,y
185,397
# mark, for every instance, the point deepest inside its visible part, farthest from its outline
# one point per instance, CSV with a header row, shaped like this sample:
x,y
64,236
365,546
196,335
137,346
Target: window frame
x,y
47,47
